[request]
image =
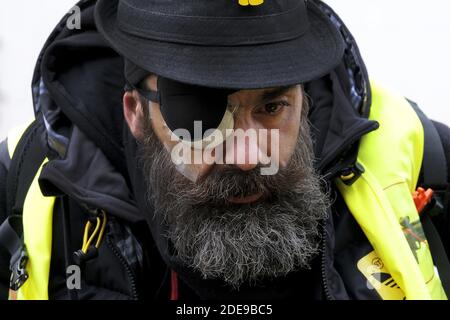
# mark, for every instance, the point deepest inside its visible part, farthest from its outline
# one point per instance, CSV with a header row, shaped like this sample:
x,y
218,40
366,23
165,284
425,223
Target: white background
x,y
406,45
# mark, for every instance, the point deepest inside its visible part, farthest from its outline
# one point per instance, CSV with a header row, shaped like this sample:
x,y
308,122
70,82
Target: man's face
x,y
228,221
276,112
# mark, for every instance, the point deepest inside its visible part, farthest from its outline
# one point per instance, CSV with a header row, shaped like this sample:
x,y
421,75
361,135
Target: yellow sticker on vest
x,y
379,278
251,2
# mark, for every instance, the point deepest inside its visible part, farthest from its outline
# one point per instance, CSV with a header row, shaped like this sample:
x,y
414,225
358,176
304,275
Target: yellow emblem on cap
x,y
251,2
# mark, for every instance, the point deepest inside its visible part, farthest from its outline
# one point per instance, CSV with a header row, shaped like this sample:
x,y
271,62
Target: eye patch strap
x,y
151,95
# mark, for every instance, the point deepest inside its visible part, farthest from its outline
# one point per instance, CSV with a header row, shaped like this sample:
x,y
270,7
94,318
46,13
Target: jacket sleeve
x,y
4,257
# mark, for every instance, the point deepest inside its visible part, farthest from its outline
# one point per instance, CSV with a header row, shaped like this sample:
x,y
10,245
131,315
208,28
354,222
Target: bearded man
x,y
221,149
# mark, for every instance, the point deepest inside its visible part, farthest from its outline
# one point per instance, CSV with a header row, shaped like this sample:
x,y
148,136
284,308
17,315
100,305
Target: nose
x,y
242,147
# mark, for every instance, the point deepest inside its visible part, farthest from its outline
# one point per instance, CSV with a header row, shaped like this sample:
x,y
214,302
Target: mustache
x,y
224,182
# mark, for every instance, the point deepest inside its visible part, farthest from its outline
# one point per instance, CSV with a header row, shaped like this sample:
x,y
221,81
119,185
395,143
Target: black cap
x,y
222,43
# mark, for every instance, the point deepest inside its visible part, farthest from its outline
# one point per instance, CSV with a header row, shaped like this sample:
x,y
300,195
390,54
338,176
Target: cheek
x,y
289,133
159,127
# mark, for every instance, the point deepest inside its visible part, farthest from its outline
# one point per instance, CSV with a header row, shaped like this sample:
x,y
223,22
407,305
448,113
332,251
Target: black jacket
x,y
78,87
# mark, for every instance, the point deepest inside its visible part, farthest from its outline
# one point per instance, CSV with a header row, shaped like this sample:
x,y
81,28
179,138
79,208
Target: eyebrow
x,y
275,93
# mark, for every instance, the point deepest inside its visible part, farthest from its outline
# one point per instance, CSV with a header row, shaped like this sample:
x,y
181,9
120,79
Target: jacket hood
x,y
78,87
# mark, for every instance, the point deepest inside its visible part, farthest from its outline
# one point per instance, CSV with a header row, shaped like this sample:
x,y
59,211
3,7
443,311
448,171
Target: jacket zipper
x,y
326,288
130,273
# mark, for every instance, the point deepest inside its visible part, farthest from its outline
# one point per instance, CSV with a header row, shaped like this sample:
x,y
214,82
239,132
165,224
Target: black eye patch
x,y
183,104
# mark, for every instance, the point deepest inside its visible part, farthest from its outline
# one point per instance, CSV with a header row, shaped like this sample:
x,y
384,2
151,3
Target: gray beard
x,y
239,243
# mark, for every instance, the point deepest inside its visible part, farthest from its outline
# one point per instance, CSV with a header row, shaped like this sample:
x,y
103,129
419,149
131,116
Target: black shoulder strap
x,y
27,158
434,176
438,252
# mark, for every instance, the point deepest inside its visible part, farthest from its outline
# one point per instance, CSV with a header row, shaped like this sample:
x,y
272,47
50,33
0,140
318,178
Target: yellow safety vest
x,y
380,200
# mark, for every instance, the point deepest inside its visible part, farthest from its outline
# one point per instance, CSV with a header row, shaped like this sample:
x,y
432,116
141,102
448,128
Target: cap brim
x,y
242,67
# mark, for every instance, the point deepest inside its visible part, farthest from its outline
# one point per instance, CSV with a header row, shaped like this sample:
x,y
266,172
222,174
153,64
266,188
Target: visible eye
x,y
275,107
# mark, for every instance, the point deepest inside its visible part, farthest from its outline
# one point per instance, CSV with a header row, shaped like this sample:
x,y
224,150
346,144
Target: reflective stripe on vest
x,y
37,230
381,199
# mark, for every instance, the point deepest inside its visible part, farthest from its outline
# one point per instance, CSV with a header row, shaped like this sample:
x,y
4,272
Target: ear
x,y
132,110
